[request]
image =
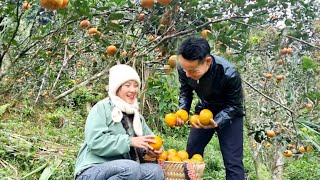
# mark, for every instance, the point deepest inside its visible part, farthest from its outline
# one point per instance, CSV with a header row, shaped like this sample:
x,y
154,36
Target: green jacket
x,y
105,140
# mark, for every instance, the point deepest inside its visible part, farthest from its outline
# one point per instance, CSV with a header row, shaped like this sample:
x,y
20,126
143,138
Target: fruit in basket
x,y
172,152
182,114
174,158
158,144
170,119
188,160
194,119
205,116
197,158
183,155
163,156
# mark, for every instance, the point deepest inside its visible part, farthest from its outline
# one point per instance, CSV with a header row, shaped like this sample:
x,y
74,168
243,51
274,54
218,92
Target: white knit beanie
x,y
118,75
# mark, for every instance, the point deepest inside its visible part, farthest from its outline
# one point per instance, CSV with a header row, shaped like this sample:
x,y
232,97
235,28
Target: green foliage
x,y
164,95
309,63
306,167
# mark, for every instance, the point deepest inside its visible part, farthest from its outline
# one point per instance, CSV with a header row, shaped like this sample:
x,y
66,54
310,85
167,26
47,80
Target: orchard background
x,y
54,67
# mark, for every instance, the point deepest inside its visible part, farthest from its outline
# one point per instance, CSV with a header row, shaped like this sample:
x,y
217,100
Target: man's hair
x,y
194,49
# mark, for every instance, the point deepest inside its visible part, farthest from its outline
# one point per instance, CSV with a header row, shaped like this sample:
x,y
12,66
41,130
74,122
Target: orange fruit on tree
x,y
151,37
182,114
280,77
309,148
173,61
26,5
51,4
93,31
284,51
140,17
183,155
268,75
204,33
197,158
174,158
167,68
194,119
84,24
163,155
64,4
291,146
309,106
147,3
280,61
271,133
302,149
170,119
164,2
289,50
111,50
287,153
124,54
158,144
205,116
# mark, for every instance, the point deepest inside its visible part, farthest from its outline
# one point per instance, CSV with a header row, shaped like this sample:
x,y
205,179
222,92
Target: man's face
x,y
194,69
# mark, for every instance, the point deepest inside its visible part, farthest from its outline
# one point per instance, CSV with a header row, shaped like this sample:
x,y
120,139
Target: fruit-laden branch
x,y
266,96
96,76
186,32
22,52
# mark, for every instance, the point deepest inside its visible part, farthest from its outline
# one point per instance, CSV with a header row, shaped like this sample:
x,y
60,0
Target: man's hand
x,y
180,122
212,125
143,142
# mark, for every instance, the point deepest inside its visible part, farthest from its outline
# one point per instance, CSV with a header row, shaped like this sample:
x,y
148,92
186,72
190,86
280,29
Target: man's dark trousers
x,y
231,145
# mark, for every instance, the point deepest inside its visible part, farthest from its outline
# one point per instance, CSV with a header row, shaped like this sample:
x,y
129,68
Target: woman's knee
x,y
130,169
152,171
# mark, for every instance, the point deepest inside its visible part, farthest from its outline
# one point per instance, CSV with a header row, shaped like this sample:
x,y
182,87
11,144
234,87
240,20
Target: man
x,y
218,87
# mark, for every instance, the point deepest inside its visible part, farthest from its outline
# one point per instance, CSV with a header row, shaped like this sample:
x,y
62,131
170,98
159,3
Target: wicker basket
x,y
182,170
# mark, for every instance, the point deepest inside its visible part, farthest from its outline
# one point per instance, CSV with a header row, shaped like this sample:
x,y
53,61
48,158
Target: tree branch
x,y
268,97
302,41
96,76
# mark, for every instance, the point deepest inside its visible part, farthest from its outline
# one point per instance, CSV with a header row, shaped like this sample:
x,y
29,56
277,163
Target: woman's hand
x,y
143,142
155,153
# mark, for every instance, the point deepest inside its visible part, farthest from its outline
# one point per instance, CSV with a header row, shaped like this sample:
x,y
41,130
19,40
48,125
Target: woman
x,y
116,134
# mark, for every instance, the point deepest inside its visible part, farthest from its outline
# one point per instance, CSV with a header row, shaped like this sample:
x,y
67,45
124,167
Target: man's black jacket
x,y
219,90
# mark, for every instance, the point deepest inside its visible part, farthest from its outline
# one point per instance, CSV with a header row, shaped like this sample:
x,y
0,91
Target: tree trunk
x,y
277,169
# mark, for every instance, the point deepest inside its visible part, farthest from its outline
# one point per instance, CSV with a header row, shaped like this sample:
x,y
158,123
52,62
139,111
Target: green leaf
x,y
114,27
47,172
238,2
116,16
3,108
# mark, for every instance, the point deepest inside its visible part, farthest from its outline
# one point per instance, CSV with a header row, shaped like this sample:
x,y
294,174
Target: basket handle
x,y
189,171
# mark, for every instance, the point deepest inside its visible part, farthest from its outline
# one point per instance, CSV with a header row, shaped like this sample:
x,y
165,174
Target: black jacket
x,y
219,90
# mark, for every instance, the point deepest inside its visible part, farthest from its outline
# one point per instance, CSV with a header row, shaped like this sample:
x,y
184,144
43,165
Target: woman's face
x,y
129,91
